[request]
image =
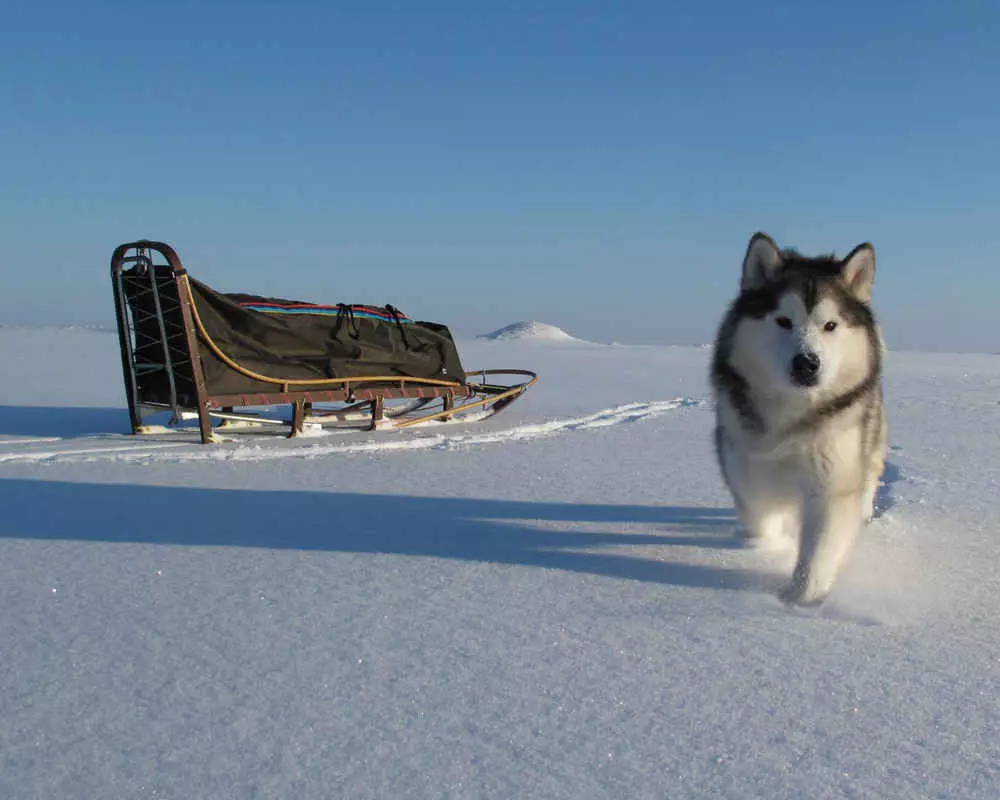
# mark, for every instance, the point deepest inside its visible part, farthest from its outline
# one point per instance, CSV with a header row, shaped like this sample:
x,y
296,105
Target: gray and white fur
x,y
800,423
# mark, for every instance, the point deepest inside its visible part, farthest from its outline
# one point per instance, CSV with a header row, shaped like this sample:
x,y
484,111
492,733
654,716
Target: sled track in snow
x,y
127,449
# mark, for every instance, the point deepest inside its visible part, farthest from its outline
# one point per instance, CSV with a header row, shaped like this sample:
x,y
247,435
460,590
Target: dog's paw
x,y
797,594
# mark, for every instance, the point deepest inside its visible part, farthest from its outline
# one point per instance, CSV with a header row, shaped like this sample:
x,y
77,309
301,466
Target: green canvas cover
x,y
286,339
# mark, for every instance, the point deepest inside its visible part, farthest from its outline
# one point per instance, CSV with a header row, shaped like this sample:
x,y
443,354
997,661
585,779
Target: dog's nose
x,y
805,368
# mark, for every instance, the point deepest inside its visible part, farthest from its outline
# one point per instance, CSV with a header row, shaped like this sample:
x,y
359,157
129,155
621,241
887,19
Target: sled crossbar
x,y
172,361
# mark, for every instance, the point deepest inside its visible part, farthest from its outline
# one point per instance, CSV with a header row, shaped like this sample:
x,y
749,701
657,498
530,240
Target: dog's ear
x,y
762,261
859,271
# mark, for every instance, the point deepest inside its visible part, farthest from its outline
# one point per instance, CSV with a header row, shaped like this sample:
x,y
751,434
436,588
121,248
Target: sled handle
x,y
118,259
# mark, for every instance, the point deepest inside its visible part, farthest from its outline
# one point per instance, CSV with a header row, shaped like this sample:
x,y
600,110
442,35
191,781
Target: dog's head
x,y
804,325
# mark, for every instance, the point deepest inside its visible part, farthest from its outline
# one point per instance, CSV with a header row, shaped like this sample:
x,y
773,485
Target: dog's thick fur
x,y
800,424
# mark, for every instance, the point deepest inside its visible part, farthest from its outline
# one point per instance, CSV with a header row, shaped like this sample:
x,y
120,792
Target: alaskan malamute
x,y
800,425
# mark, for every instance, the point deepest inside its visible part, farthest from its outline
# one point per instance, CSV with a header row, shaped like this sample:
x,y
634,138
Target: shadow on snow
x,y
479,530
61,421
885,498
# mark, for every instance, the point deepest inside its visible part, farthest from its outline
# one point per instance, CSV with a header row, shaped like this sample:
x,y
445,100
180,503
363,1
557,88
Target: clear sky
x,y
595,165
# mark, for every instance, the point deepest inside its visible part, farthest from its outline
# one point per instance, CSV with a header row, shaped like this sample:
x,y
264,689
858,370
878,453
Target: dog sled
x,y
231,360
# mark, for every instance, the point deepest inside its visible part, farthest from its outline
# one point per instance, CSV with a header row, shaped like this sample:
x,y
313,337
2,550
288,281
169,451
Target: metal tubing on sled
x,y
163,342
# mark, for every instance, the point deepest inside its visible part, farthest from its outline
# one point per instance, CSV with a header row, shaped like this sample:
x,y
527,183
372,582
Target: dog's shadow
x,y
885,497
583,538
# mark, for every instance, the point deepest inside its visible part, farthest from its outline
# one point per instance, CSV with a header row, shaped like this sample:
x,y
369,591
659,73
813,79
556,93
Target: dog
x,y
800,430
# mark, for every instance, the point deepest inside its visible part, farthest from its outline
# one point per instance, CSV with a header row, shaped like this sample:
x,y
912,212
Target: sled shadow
x,y
479,530
61,421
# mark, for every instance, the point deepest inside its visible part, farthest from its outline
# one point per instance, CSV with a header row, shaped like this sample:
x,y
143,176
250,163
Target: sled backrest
x,y
158,345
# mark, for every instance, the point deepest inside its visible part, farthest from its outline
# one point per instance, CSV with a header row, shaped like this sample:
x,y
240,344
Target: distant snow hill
x,y
529,331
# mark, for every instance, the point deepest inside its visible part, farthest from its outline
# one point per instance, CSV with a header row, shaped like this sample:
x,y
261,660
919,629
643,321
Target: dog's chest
x,y
787,454
826,458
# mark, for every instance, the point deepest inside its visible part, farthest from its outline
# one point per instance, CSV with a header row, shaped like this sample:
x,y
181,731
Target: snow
x,y
529,331
546,604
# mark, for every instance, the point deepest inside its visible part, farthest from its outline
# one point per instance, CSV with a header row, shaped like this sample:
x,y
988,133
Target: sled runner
x,y
206,355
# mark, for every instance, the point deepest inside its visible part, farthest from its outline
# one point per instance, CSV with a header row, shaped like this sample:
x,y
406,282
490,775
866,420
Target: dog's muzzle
x,y
805,369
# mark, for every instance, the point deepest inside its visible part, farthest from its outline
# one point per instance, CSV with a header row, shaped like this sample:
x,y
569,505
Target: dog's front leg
x,y
868,500
766,522
830,526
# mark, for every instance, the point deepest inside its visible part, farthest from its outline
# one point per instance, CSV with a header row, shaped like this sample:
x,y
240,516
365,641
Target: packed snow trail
x,y
266,448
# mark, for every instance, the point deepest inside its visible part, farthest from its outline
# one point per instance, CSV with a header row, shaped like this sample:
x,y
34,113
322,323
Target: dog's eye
x,y
784,322
830,326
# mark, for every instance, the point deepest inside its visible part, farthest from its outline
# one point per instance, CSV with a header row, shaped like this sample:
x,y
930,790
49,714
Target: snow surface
x,y
546,604
529,331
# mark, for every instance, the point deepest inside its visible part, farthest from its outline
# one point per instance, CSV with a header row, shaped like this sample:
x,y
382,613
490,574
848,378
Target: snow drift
x,y
529,331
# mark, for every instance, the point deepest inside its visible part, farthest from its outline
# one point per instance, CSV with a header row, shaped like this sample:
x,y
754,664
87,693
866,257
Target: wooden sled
x,y
230,358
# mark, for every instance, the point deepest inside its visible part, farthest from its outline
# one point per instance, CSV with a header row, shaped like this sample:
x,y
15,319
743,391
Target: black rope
x,y
345,313
399,316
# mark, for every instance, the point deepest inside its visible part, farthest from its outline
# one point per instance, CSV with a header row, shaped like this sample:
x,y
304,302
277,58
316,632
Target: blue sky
x,y
596,165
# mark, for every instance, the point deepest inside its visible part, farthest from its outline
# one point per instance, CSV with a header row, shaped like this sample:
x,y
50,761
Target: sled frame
x,y
180,338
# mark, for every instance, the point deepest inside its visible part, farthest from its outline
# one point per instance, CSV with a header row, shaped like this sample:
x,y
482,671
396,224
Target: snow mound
x,y
534,331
